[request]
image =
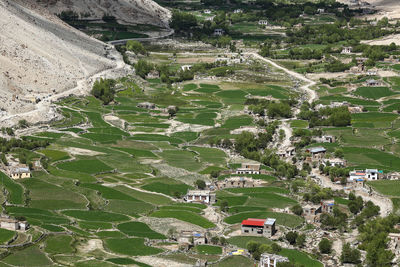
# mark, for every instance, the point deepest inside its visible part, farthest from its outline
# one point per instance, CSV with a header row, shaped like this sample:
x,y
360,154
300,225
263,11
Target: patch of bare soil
x,y
82,152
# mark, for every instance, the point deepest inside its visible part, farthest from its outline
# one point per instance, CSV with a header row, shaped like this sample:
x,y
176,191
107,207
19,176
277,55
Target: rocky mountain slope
x,y
126,11
41,56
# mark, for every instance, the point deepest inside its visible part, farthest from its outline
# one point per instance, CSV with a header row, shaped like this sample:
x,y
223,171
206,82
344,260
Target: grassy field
x,y
139,229
90,166
92,215
374,92
209,250
387,187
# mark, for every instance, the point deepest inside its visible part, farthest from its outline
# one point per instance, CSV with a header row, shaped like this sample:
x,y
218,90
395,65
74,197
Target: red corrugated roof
x,y
253,222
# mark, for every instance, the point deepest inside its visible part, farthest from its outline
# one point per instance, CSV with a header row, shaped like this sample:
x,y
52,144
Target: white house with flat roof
x,y
271,260
19,172
200,196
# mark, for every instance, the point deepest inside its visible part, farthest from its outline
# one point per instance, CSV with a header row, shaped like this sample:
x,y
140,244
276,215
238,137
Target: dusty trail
x,y
311,93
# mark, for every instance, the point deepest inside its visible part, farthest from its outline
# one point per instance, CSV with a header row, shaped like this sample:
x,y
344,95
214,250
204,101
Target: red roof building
x,y
254,222
259,227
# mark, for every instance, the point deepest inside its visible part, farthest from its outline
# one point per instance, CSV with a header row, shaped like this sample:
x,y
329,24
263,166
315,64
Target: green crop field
x,y
55,155
241,241
139,229
237,261
210,250
185,216
6,235
87,166
300,258
374,92
14,189
92,215
59,245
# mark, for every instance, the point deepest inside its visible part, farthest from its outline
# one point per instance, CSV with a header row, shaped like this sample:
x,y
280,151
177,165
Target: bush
x,y
135,47
325,246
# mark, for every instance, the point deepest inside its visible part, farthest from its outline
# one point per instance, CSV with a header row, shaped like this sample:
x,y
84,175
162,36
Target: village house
x,y
372,174
356,174
236,182
259,227
200,196
317,152
393,176
372,83
211,18
355,109
325,139
153,74
271,260
311,213
347,50
13,225
146,105
327,206
311,210
192,238
335,162
248,168
286,153
263,22
368,174
394,240
186,67
359,182
218,32
19,172
320,10
372,72
238,11
207,11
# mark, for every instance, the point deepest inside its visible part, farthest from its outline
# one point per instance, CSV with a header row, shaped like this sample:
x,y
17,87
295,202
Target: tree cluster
x,y
103,89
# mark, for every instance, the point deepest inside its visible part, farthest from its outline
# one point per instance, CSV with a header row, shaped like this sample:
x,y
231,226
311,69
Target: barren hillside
x,y
126,11
41,56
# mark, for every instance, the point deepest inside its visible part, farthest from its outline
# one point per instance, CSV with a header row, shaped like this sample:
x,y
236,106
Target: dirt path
x,y
312,95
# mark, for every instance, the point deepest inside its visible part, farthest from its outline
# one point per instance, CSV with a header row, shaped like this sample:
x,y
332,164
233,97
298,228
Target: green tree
x,y
103,89
350,255
325,246
142,68
182,21
200,184
291,237
135,47
297,209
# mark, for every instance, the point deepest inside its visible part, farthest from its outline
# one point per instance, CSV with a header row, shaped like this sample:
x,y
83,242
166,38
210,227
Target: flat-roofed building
x,y
19,172
236,182
249,168
327,206
271,260
200,196
259,227
192,238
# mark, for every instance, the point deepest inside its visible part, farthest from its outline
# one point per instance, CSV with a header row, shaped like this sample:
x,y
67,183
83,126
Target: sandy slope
x,y
41,56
